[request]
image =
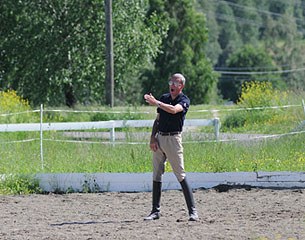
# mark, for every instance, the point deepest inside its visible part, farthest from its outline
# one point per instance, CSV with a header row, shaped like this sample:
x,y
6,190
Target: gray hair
x,y
180,76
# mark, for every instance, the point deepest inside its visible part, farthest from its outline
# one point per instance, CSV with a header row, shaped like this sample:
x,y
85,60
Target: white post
x,y
217,128
41,135
112,132
303,103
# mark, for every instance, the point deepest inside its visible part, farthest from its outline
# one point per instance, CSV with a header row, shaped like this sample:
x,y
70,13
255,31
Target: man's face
x,y
175,86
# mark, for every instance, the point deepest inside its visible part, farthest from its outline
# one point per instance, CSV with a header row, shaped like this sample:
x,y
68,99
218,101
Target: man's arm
x,y
170,108
153,140
155,127
166,107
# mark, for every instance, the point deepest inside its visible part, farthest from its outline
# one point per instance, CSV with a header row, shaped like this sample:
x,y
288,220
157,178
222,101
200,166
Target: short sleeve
x,y
185,103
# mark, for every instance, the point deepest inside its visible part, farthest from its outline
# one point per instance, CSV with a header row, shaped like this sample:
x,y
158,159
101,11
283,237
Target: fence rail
x,y
112,125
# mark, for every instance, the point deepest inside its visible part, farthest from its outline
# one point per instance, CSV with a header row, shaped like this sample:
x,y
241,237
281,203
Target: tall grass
x,y
279,154
60,155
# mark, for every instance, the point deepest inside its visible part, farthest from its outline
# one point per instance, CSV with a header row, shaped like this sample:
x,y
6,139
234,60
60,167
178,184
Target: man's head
x,y
176,84
177,77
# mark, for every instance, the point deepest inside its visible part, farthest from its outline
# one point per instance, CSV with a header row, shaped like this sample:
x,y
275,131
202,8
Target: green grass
x,y
284,154
272,154
280,154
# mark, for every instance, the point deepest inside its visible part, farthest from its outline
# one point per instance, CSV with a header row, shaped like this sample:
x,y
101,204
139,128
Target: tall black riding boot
x,y
156,196
188,195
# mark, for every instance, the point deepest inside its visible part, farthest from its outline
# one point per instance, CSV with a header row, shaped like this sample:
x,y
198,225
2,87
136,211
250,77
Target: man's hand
x,y
149,98
153,144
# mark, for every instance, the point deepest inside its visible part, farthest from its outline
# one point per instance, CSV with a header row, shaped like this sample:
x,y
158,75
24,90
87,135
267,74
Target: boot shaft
x,y
156,196
188,195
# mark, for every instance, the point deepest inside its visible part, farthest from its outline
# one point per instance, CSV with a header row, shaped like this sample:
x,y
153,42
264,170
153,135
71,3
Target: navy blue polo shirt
x,y
173,122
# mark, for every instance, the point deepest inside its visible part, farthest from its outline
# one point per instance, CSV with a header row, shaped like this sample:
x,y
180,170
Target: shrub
x,y
255,95
19,184
10,102
260,94
235,120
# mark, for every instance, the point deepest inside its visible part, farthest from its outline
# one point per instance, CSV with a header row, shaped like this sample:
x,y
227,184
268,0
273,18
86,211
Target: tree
x,y
248,59
182,51
247,19
284,40
276,26
49,52
212,47
228,38
137,41
53,52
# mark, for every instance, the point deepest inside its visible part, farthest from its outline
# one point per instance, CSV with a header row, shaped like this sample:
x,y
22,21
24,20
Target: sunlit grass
x,y
280,154
20,151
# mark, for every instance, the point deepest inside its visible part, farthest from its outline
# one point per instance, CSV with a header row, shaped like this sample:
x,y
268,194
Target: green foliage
x,y
10,103
89,187
52,52
249,59
229,39
183,51
212,46
275,26
48,49
260,94
250,32
235,120
19,184
137,41
255,95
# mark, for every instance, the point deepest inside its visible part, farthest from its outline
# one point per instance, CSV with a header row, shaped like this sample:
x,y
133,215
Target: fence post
x,y
41,135
112,132
303,103
217,128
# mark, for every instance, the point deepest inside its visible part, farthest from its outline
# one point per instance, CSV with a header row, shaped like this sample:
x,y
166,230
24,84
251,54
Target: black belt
x,y
169,133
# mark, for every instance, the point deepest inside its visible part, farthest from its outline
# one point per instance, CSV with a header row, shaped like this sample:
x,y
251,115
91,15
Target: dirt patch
x,y
232,214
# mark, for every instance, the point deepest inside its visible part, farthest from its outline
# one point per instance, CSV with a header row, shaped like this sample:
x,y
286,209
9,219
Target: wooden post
x,y
109,81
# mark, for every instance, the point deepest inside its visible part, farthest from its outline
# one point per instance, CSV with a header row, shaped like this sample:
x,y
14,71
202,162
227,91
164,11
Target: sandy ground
x,y
234,214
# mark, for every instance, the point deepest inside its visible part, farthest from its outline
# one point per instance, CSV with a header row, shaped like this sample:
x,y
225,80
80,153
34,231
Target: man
x,y
166,143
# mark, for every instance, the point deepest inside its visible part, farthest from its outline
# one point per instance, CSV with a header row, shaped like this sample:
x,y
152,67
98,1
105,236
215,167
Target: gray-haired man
x,y
166,143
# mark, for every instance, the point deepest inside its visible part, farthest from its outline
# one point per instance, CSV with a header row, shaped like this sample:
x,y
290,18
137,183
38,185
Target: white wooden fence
x,y
112,125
